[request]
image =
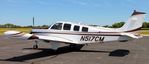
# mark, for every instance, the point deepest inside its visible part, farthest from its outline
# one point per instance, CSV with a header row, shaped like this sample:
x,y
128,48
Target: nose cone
x,y
12,32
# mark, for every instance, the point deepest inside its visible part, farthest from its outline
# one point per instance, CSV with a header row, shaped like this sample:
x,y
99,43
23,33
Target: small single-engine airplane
x,y
80,34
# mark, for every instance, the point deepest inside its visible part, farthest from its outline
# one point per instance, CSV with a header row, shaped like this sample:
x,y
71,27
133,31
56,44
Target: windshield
x,y
57,26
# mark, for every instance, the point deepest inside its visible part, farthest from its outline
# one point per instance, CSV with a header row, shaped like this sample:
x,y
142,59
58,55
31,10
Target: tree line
x,y
9,25
120,24
115,25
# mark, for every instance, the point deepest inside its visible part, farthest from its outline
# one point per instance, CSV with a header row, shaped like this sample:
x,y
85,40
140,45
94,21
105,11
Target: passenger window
x,y
76,28
57,26
67,26
84,29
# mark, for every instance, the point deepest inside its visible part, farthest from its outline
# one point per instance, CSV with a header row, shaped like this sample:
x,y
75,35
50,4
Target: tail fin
x,y
134,23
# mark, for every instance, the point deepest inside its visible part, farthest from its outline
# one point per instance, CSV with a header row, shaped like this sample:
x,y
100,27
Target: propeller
x,y
10,33
20,35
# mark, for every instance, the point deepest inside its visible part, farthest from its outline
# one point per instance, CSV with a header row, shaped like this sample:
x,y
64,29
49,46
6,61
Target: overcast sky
x,y
99,12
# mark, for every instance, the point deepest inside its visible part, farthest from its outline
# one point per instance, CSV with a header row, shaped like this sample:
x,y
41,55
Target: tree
x,y
145,25
45,26
118,24
107,26
8,25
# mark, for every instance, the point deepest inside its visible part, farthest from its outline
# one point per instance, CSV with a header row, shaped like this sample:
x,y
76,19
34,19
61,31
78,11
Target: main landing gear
x,y
35,46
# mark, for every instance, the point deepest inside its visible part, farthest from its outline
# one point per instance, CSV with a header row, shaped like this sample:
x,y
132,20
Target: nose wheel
x,y
35,46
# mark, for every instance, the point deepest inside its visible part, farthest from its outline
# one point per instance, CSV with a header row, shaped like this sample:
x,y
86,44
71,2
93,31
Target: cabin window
x,y
67,26
76,28
84,29
57,26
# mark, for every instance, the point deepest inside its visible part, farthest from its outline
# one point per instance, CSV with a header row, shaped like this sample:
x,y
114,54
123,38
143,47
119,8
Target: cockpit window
x,y
57,26
67,26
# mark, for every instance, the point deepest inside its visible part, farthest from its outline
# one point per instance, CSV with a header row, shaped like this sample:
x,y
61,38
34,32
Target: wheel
x,y
35,46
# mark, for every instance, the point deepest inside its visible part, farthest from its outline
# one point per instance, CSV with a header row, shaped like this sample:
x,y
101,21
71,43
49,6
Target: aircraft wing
x,y
26,36
54,38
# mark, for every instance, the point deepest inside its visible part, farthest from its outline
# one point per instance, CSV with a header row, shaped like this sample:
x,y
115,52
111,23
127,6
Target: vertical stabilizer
x,y
134,23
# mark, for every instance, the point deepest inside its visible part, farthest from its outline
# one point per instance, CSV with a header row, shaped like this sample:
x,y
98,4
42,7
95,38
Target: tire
x,y
35,46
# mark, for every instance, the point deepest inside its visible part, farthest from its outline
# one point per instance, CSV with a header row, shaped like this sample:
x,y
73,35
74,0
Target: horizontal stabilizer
x,y
131,35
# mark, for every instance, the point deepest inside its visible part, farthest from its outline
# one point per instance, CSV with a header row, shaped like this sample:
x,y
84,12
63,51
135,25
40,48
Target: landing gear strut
x,y
35,46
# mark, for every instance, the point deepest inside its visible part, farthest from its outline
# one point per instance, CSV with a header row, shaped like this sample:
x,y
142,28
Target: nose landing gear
x,y
35,46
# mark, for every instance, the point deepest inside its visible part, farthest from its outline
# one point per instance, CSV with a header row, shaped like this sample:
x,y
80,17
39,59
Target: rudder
x,y
134,23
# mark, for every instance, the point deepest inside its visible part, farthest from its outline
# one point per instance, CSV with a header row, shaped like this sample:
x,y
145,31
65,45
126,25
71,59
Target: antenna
x,y
33,21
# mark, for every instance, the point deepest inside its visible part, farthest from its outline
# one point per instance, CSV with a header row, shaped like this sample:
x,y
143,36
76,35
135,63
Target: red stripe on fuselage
x,y
83,33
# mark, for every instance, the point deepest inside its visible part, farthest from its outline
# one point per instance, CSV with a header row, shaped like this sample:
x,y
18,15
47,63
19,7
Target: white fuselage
x,y
92,35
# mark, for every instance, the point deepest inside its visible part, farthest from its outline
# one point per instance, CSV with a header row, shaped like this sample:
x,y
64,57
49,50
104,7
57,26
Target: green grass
x,y
144,28
26,30
144,32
